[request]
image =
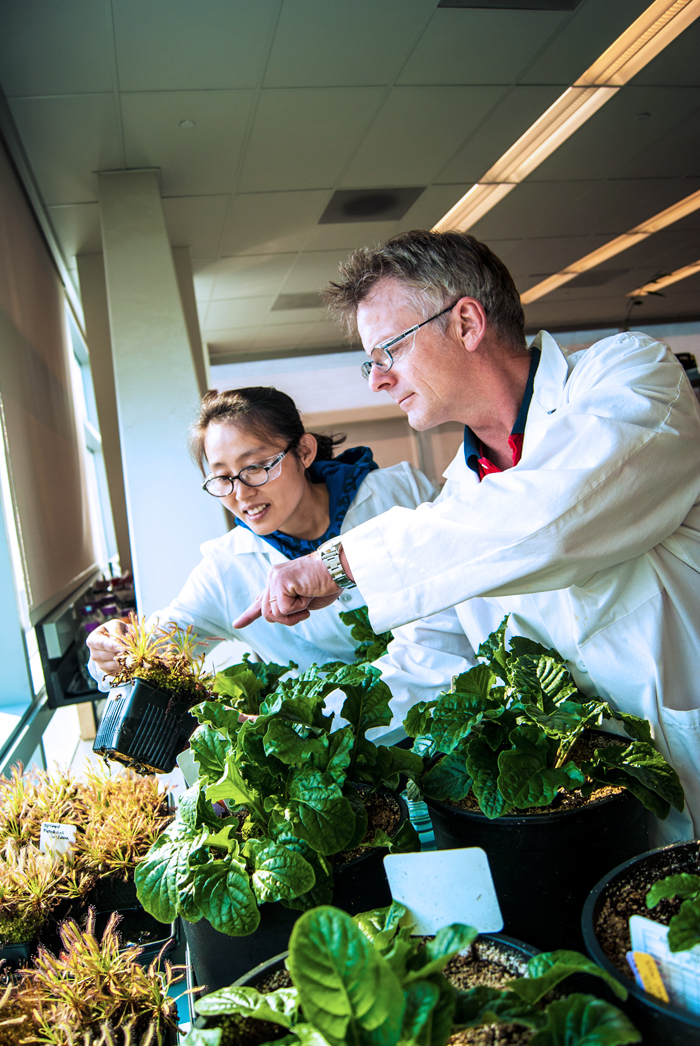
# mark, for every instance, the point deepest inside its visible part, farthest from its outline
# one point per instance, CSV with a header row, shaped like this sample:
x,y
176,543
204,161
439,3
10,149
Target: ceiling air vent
x,y
369,205
304,300
515,5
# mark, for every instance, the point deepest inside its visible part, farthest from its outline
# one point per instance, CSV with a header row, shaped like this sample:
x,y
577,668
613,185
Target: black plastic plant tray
x,y
144,728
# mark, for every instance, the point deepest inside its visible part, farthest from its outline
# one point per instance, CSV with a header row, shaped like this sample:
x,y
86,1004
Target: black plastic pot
x,y
513,952
144,728
19,954
218,959
544,865
660,1023
139,928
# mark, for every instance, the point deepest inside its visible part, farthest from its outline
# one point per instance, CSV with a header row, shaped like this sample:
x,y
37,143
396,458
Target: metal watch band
x,y
329,552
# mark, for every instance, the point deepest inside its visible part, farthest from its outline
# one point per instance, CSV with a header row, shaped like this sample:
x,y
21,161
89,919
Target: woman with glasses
x,y
288,496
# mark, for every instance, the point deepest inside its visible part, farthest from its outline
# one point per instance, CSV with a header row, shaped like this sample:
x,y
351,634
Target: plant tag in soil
x,y
445,886
55,837
680,971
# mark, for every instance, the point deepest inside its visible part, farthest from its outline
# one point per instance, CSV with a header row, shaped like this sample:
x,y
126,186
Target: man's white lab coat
x,y
591,543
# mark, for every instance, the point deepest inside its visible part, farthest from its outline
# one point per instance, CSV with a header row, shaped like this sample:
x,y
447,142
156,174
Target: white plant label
x,y
440,887
56,838
680,971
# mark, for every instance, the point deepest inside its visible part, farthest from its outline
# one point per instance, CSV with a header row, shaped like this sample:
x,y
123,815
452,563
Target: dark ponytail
x,y
265,411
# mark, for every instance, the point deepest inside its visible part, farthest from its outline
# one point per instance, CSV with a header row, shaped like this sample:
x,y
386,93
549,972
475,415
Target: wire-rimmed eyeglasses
x,y
250,476
381,357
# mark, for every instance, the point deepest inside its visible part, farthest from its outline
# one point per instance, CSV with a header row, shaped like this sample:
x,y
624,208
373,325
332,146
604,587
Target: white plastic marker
x,y
56,838
680,971
445,886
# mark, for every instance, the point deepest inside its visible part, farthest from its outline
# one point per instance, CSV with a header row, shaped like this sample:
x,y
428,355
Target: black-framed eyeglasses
x,y
381,357
250,476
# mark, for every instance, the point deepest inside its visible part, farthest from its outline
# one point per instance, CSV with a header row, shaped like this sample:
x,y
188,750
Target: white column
x,y
156,387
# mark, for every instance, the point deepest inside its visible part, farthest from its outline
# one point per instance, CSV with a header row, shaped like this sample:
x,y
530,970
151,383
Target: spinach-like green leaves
x,y
289,788
371,645
684,927
368,982
506,727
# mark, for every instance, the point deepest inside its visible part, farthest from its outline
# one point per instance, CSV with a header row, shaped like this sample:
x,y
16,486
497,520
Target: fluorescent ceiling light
x,y
661,23
608,250
665,281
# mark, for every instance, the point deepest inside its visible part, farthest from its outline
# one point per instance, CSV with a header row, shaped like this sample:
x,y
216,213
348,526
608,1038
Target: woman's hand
x,y
104,644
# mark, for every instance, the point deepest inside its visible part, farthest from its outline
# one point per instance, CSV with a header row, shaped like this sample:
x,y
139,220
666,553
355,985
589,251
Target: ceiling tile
x,y
196,222
55,48
78,229
517,110
301,139
272,223
238,340
675,153
362,43
417,130
281,336
251,275
66,140
472,46
678,63
204,273
177,45
292,317
583,37
326,333
346,237
614,140
236,312
312,270
196,160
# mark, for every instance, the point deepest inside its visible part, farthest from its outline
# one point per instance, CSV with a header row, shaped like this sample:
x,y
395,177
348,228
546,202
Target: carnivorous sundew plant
x,y
166,658
507,727
292,793
367,982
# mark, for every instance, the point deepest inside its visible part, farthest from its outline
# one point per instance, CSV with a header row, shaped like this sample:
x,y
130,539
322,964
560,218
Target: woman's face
x,y
279,503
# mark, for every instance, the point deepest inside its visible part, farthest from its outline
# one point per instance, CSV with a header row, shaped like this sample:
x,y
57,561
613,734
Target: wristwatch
x,y
329,552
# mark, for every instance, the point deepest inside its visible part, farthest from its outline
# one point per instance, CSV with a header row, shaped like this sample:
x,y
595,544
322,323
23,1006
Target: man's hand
x,y
104,644
293,590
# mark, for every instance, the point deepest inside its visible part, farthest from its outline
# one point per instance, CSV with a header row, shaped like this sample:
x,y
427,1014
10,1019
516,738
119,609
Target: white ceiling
x,y
293,99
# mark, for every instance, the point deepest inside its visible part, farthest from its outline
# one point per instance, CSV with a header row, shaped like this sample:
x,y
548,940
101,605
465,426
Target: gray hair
x,y
435,268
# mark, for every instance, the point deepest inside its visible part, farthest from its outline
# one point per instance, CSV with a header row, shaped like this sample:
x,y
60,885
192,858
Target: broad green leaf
x,y
684,928
526,775
444,946
448,779
367,697
322,890
209,749
307,1035
380,925
391,762
319,813
682,885
482,765
223,895
583,1020
486,1005
292,744
478,680
203,1037
280,873
421,999
338,755
542,679
643,763
230,785
454,717
442,1016
344,985
493,648
565,721
359,810
237,680
371,645
418,719
519,645
425,747
217,715
638,729
165,868
405,841
280,1007
546,970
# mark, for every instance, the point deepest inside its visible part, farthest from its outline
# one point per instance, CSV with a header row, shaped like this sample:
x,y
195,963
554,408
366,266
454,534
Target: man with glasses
x,y
573,506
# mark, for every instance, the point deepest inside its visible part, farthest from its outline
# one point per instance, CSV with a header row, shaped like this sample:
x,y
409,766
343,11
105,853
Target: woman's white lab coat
x,y
591,543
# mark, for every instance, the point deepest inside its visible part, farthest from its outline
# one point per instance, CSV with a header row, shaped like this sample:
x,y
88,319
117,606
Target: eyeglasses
x,y
382,358
250,476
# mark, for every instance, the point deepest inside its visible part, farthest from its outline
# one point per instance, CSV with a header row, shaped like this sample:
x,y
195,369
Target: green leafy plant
x,y
507,727
249,683
371,645
92,994
164,657
368,982
293,792
684,926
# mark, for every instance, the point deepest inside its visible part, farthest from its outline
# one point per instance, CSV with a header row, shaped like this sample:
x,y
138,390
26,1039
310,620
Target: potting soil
x,y
485,964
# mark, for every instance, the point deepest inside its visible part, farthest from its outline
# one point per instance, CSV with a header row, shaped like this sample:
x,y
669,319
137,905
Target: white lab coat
x,y
234,570
591,543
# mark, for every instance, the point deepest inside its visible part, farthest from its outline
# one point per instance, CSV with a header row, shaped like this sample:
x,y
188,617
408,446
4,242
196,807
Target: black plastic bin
x,y
144,728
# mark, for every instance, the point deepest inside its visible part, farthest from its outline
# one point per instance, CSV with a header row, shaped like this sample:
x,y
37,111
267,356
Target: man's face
x,y
428,376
